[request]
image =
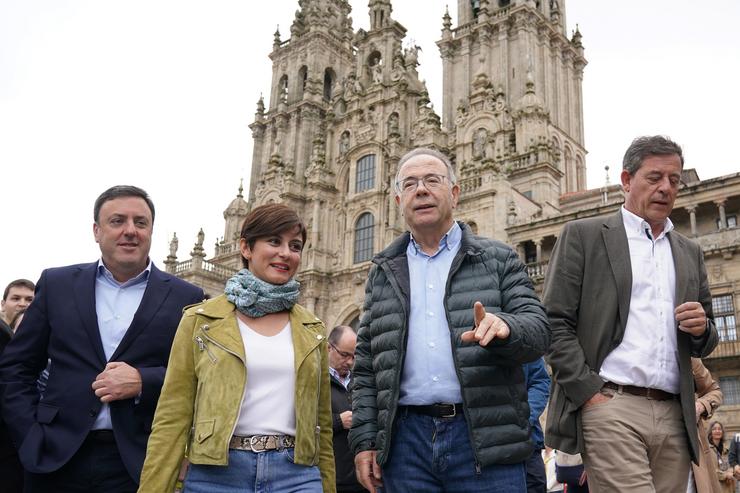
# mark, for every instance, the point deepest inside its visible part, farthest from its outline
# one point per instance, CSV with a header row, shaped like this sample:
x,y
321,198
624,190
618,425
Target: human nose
x,y
129,228
284,250
421,188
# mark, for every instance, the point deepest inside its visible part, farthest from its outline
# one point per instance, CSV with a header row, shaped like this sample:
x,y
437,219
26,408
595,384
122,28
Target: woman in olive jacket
x,y
247,388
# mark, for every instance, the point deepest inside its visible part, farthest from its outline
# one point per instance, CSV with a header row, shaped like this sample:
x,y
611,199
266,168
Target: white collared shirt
x,y
648,353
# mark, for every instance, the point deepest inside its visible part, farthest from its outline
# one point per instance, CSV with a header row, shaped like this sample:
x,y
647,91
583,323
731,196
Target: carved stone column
x,y
538,247
692,218
722,215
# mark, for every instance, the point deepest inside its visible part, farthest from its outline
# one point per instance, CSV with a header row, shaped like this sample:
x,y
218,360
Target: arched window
x,y
364,238
302,78
365,177
283,89
328,83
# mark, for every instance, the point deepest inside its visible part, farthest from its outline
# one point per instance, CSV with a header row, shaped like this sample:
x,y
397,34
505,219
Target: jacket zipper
x,y
195,412
244,388
317,432
402,359
456,262
204,347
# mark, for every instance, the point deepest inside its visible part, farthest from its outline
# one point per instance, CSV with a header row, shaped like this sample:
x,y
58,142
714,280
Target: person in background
x,y
342,341
548,457
17,296
708,399
11,470
721,452
538,390
247,390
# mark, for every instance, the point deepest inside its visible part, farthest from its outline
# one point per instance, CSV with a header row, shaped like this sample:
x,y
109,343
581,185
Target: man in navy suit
x,y
105,330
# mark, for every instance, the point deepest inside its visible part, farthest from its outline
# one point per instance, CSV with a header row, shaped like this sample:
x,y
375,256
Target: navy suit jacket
x,y
62,324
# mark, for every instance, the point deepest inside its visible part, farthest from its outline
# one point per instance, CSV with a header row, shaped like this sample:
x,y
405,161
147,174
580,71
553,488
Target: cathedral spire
x,y
380,14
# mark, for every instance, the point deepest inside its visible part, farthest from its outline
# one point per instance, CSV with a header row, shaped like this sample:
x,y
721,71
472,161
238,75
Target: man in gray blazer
x,y
629,304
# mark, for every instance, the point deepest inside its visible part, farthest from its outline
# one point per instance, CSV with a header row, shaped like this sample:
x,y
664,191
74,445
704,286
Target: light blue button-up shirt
x,y
429,371
115,304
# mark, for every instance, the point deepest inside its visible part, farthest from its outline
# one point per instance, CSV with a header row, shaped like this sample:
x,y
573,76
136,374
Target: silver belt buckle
x,y
454,411
255,439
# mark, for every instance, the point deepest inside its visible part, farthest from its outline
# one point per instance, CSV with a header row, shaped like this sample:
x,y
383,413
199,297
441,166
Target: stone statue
x,y
397,70
344,143
412,56
479,143
174,243
393,124
377,72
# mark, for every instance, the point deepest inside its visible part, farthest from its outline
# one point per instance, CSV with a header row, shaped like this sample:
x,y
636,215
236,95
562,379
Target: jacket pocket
x,y
204,430
46,413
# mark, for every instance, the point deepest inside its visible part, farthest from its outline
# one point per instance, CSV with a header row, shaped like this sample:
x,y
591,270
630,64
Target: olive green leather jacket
x,y
204,386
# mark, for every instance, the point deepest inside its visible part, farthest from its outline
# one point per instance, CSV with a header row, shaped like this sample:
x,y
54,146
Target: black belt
x,y
437,410
101,436
653,394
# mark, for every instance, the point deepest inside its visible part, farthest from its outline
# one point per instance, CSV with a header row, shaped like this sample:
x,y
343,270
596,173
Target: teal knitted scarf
x,y
255,298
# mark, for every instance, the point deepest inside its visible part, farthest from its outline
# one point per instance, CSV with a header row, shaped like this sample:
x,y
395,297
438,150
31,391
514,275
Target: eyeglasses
x,y
343,354
431,181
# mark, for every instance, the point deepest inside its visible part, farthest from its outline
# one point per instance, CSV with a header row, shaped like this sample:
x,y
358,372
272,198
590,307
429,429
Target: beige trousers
x,y
635,444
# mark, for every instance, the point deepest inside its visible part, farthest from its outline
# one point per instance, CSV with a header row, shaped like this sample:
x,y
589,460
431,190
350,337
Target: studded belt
x,y
262,443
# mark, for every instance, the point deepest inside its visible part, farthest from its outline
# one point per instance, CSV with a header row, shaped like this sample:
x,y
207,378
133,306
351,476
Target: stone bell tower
x,y
512,104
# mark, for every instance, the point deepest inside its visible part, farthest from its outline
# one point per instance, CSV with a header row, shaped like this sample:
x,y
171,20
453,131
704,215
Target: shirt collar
x,y
335,374
449,241
143,276
637,226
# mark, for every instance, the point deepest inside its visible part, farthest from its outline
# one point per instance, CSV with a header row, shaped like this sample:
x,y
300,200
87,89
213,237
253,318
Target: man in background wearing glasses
x,y
342,341
439,398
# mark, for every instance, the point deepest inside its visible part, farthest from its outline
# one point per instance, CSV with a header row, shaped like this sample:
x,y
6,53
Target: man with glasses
x,y
342,341
439,396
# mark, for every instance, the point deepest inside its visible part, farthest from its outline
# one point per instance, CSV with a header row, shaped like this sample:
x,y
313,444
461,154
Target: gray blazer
x,y
587,294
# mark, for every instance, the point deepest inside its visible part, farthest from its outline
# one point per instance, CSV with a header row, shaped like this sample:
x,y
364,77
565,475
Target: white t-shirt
x,y
268,407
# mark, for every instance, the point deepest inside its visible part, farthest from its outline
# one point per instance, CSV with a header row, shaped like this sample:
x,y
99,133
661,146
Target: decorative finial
x,y
446,19
241,188
606,181
276,36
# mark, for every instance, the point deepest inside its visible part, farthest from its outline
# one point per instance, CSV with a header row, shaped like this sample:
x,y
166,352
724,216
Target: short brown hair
x,y
268,220
18,283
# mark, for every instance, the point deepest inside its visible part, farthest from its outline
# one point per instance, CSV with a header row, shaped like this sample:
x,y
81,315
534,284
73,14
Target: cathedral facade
x,y
345,105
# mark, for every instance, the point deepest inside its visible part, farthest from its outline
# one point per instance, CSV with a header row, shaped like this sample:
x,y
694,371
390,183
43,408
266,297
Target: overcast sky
x,y
159,93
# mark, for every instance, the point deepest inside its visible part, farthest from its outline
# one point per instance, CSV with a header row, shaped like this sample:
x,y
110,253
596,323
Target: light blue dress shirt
x,y
115,304
429,371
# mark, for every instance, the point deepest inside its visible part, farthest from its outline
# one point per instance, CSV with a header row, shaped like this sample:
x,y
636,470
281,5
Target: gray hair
x,y
426,151
646,146
337,332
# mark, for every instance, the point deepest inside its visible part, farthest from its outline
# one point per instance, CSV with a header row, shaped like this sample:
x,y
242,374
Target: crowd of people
x,y
118,377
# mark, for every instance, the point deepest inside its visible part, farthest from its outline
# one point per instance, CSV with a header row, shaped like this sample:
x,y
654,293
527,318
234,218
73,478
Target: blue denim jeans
x,y
434,455
263,472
